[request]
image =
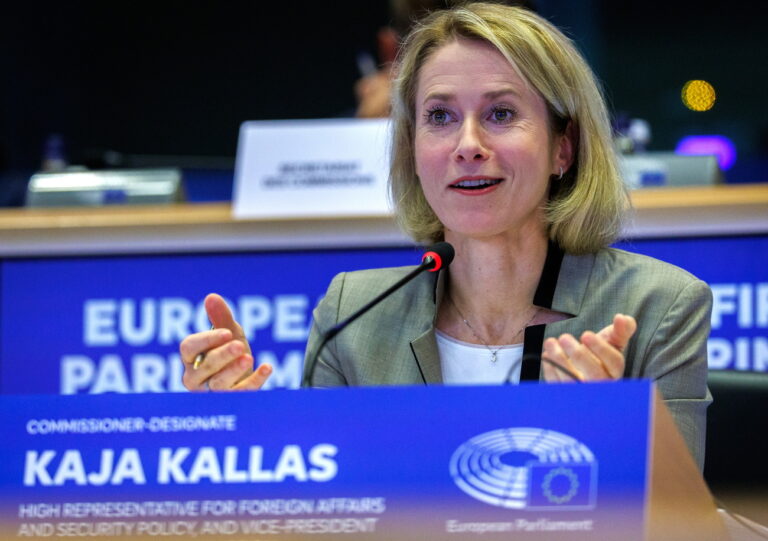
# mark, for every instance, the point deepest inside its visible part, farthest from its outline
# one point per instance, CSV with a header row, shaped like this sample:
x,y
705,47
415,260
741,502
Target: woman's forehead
x,y
463,62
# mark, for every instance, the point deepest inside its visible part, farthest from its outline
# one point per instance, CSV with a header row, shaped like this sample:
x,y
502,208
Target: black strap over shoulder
x,y
545,292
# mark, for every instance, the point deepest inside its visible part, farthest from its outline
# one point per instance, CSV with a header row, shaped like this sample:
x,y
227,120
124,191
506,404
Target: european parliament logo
x,y
526,468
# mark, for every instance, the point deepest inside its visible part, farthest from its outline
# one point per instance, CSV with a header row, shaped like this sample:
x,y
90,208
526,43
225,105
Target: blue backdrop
x,y
113,324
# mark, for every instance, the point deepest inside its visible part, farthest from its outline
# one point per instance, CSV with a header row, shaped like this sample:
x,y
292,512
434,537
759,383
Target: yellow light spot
x,y
698,95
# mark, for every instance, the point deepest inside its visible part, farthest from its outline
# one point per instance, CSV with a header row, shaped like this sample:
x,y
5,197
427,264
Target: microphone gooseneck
x,y
438,256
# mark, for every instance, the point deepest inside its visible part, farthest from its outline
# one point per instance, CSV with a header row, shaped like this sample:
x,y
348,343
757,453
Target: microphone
x,y
438,256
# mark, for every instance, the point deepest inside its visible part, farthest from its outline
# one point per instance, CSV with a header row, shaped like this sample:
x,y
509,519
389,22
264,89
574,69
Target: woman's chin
x,y
488,231
476,231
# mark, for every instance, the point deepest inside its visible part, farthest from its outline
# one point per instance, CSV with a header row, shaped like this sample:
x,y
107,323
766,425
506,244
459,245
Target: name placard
x,y
376,464
312,168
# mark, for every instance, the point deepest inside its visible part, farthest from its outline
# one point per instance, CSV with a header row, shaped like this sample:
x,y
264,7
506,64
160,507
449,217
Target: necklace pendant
x,y
493,356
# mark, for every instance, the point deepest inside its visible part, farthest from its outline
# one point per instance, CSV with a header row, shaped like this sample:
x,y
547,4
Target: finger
x,y
551,374
228,377
256,380
558,356
610,358
221,316
624,328
216,360
195,344
619,331
585,364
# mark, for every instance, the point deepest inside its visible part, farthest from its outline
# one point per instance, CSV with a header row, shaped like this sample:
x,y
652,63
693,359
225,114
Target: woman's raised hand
x,y
594,357
227,363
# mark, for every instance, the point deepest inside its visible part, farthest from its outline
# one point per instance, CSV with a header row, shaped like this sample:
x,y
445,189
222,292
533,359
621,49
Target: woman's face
x,y
484,151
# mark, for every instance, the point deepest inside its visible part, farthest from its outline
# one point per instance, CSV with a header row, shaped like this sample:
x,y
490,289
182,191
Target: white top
x,y
471,364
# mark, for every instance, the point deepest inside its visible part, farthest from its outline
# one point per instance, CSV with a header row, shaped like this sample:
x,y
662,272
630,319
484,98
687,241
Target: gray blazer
x,y
394,343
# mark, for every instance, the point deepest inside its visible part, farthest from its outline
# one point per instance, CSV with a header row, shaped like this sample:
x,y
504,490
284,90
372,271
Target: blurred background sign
x,y
312,168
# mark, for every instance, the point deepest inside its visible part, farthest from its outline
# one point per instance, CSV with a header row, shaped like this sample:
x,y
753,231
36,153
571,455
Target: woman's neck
x,y
491,284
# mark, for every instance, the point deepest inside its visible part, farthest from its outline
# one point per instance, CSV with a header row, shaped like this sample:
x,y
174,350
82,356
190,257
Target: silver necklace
x,y
494,352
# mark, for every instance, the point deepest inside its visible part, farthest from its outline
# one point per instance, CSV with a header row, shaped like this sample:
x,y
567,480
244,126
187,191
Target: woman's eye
x,y
501,114
438,117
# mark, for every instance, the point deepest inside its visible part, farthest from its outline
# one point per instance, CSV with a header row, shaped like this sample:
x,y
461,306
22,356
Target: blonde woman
x,y
502,147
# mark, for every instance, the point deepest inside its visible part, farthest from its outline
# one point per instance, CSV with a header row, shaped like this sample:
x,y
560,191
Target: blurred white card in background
x,y
312,168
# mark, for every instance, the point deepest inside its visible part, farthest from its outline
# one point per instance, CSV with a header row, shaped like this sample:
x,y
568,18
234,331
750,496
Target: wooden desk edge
x,y
666,212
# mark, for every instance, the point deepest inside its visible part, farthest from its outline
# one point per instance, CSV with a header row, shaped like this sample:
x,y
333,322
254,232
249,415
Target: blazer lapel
x,y
571,291
424,347
426,355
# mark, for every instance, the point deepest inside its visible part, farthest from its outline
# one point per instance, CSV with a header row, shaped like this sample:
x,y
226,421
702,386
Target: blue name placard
x,y
531,461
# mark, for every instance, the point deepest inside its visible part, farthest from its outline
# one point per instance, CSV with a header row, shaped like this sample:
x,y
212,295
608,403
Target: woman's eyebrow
x,y
439,96
494,94
490,95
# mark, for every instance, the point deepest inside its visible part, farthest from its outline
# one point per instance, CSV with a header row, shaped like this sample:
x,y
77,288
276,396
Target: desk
x,y
666,212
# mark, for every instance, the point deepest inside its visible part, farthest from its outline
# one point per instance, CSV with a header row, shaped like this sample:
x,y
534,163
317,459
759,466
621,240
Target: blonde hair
x,y
587,205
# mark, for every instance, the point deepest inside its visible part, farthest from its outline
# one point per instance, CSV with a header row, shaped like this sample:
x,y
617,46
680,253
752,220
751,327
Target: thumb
x,y
221,316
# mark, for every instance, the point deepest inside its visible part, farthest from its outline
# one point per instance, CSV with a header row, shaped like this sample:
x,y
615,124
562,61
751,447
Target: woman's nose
x,y
471,146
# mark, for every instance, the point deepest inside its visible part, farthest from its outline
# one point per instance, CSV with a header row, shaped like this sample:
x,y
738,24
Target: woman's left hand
x,y
594,357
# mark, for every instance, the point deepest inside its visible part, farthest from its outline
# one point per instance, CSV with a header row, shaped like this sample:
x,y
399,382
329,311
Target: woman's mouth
x,y
475,184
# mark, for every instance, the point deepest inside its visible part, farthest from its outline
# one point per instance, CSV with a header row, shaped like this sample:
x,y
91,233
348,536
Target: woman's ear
x,y
565,148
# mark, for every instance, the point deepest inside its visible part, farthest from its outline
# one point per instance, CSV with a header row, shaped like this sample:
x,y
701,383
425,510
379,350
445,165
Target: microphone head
x,y
438,256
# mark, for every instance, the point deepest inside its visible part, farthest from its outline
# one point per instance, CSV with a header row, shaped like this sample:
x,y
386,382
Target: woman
x,y
502,147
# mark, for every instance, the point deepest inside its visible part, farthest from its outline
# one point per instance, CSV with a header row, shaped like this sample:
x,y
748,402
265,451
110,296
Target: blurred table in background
x,y
201,227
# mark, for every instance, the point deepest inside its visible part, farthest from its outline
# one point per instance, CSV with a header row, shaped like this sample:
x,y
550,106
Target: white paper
x,y
312,168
